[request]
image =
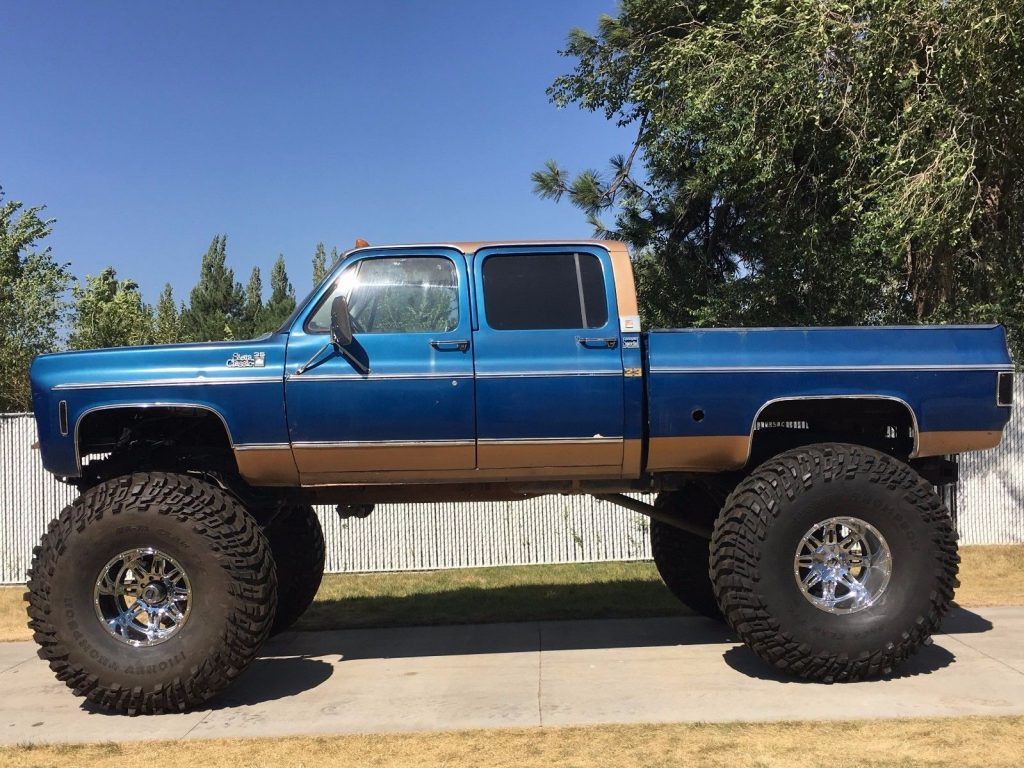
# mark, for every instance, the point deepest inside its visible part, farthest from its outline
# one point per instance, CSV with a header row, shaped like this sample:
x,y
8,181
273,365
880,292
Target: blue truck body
x,y
476,403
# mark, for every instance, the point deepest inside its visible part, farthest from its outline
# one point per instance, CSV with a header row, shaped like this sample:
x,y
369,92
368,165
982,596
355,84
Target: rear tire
x,y
211,592
297,541
891,559
682,557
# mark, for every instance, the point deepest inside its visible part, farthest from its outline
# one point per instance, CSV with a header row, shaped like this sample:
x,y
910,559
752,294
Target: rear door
x,y
549,373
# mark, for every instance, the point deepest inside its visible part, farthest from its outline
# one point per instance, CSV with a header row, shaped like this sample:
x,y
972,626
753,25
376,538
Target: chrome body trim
x,y
191,382
802,328
541,374
547,440
378,443
830,368
374,376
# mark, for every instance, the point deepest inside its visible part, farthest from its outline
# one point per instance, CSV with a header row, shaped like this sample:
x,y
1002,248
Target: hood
x,y
159,364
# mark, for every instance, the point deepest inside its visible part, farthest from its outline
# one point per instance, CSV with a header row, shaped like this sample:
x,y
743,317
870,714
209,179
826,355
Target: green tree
x,y
32,304
166,320
215,304
319,264
801,163
282,297
252,309
109,313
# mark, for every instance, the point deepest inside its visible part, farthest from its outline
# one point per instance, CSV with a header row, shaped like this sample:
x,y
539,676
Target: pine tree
x,y
252,310
167,322
215,307
319,264
282,296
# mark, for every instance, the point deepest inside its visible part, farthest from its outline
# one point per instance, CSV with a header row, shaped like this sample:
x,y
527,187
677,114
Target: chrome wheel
x,y
842,565
143,597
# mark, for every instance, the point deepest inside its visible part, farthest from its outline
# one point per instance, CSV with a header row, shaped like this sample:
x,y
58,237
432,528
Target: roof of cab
x,y
471,246
622,268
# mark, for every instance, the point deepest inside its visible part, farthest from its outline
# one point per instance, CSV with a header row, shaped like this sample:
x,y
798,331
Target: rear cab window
x,y
535,291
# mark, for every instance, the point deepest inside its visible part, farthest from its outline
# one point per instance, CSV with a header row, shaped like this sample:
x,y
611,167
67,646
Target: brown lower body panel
x,y
313,458
959,441
518,460
709,453
262,465
717,453
529,454
434,462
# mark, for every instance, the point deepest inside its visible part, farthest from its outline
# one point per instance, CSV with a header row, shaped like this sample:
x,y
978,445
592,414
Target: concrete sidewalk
x,y
533,674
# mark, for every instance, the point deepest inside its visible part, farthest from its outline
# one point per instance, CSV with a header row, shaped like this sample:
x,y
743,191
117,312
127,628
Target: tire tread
x,y
234,539
742,527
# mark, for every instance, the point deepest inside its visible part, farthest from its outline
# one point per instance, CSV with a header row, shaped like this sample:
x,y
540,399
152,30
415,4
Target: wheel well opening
x,y
153,437
885,424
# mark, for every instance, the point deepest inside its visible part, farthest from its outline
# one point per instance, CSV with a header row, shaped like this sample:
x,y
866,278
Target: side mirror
x,y
341,323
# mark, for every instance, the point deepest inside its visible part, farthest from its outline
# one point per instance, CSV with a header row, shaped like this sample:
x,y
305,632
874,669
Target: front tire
x,y
834,562
297,541
189,555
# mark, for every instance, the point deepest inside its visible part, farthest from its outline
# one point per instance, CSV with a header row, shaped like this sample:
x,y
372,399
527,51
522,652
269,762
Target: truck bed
x,y
707,388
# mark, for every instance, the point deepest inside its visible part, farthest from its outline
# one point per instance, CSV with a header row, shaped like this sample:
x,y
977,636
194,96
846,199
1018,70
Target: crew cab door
x,y
549,370
410,415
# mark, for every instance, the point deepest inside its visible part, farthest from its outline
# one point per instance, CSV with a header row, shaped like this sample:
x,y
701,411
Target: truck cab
x,y
497,363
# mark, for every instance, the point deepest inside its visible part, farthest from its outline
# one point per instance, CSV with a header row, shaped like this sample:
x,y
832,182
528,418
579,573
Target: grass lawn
x,y
989,576
957,743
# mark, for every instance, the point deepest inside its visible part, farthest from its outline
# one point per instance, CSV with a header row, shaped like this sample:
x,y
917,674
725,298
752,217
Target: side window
x,y
418,294
532,291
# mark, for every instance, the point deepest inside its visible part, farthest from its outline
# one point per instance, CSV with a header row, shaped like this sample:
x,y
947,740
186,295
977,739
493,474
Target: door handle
x,y
592,343
450,345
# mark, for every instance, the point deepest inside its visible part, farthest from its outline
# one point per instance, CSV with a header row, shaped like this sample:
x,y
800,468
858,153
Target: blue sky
x,y
147,129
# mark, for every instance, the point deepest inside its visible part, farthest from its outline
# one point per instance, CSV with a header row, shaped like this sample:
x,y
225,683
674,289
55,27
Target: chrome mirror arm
x,y
351,358
302,368
354,360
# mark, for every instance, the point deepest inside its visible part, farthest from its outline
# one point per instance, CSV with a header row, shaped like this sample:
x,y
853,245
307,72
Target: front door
x,y
548,362
410,416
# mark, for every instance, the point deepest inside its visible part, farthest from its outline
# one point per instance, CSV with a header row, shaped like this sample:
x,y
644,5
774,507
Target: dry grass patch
x,y
12,615
937,743
988,575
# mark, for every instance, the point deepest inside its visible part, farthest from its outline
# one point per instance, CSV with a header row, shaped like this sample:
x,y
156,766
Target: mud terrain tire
x,y
759,532
297,542
682,557
233,592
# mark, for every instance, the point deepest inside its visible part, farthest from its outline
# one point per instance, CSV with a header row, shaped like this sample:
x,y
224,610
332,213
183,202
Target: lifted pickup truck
x,y
795,467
